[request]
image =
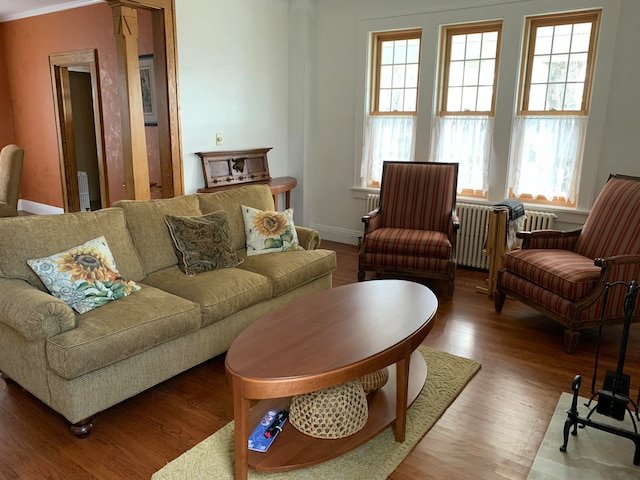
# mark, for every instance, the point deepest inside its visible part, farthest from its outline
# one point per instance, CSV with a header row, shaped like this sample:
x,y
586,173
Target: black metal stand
x,y
613,398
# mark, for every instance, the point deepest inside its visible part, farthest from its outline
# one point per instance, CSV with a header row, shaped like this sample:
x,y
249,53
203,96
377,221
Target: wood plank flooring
x,y
491,431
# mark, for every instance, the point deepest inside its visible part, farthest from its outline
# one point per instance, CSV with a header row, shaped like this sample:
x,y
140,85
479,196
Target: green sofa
x,y
81,364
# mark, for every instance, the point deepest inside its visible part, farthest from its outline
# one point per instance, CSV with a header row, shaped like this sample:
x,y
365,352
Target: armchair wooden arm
x,y
557,239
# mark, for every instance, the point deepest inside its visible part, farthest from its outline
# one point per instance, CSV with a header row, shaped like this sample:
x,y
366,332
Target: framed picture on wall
x,y
148,86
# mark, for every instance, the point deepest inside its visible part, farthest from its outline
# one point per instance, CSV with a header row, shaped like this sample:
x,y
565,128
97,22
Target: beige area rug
x,y
375,460
591,455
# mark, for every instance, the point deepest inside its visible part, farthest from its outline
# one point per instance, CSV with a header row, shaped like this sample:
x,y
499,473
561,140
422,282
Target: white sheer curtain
x,y
466,140
386,138
546,155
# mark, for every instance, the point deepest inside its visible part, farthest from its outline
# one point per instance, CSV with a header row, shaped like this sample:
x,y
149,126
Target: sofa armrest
x,y
308,238
32,312
556,239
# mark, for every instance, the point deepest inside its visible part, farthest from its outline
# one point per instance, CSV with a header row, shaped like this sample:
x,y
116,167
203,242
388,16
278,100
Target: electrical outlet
x,y
218,139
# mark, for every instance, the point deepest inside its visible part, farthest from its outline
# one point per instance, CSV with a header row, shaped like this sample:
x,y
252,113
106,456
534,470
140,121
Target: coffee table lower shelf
x,y
292,450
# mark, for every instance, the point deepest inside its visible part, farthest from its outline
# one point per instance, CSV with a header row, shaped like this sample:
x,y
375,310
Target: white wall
x,y
233,73
291,74
342,30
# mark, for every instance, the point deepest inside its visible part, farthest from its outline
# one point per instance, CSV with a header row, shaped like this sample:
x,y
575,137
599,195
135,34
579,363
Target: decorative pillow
x,y
202,243
85,277
269,232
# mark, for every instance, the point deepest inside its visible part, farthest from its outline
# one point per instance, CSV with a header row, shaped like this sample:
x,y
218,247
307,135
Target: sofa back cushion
x,y
254,196
145,220
613,225
36,236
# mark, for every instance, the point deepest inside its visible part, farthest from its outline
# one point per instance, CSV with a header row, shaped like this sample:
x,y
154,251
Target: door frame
x,y
59,67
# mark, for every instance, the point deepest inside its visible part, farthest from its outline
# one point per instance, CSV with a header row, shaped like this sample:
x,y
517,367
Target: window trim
x,y
377,38
446,34
593,16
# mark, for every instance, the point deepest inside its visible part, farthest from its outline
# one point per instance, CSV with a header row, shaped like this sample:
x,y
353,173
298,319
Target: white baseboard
x,y
38,208
335,234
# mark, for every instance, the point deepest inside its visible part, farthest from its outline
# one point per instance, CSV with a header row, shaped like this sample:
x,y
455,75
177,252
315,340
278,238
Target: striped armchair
x,y
563,274
413,231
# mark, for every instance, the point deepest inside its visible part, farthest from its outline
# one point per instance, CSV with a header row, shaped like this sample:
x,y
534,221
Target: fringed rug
x,y
448,374
591,455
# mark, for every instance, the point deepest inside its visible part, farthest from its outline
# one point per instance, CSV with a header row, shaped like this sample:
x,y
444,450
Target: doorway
x,y
74,78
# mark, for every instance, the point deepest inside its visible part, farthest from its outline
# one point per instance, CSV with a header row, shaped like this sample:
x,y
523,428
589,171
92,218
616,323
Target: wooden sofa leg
x,y
571,339
7,380
498,300
82,429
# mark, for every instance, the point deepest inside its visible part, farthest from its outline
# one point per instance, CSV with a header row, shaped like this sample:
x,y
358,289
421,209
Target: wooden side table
x,y
282,185
276,185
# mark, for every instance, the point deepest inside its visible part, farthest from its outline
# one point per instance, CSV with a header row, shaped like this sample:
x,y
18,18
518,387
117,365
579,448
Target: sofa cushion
x,y
219,293
145,220
121,330
255,196
84,277
563,272
268,231
202,243
36,236
289,270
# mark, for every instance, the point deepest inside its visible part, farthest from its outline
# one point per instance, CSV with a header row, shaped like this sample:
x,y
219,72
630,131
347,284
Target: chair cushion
x,y
565,273
403,241
613,225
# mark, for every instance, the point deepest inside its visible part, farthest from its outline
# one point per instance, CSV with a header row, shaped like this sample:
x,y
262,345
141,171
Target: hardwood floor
x,y
491,431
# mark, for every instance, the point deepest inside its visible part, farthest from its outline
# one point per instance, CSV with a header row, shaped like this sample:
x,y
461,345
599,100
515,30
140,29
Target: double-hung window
x,y
463,126
550,125
393,102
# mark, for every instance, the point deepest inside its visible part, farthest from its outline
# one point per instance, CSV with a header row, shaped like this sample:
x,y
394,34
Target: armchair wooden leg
x,y
450,287
498,299
361,275
571,339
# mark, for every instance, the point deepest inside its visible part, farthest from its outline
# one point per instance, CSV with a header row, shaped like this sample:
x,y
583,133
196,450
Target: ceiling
x,y
15,9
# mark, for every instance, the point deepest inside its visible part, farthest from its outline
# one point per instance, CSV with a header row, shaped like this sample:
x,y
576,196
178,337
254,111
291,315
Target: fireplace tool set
x,y
613,398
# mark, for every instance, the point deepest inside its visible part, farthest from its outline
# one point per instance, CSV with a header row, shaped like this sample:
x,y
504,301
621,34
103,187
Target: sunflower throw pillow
x,y
85,277
269,232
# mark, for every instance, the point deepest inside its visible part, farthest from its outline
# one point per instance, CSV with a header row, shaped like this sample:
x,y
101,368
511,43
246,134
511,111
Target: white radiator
x,y
373,200
473,225
83,188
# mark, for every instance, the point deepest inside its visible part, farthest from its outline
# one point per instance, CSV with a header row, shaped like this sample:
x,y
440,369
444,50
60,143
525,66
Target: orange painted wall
x,y
28,43
7,134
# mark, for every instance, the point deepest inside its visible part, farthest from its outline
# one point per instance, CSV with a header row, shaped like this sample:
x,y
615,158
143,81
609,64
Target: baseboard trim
x,y
38,208
335,234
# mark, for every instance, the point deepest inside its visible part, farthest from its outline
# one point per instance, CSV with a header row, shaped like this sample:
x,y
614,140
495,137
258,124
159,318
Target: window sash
x,y
444,104
532,26
376,74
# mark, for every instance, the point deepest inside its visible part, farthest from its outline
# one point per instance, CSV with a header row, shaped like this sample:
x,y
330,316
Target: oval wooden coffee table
x,y
326,339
